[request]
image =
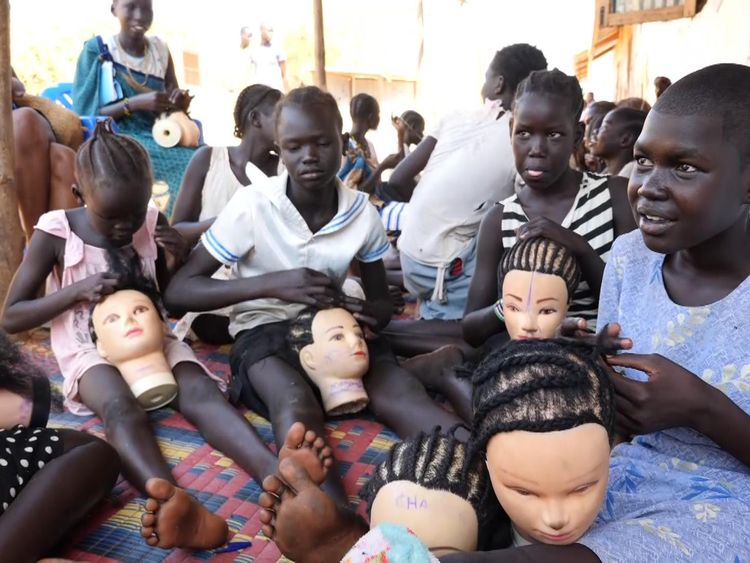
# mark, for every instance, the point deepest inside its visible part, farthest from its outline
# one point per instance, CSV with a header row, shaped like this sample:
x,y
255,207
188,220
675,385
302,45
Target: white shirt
x,y
470,168
260,231
266,60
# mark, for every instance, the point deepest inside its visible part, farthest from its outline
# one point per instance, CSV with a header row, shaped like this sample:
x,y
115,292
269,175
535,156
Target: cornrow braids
x,y
554,83
544,256
110,160
362,105
253,97
309,97
439,461
539,386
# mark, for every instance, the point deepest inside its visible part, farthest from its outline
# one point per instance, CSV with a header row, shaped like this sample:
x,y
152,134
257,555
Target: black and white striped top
x,y
590,216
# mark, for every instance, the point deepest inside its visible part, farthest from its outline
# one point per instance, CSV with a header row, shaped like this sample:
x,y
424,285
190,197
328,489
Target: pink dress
x,y
71,341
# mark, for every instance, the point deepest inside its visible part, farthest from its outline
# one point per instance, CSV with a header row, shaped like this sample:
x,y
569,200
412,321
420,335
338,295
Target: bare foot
x,y
175,519
308,449
433,368
306,524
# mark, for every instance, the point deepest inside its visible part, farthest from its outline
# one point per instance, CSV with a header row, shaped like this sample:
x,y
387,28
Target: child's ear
x,y
77,194
627,139
255,119
499,85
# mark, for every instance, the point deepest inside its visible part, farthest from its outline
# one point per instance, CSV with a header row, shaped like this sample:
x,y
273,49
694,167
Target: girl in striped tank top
x,y
582,211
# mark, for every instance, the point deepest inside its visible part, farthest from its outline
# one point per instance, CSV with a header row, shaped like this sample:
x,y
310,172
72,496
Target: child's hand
x,y
671,397
180,99
543,227
302,285
94,288
172,242
607,340
360,310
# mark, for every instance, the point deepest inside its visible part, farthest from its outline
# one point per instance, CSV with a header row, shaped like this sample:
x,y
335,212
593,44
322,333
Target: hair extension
x,y
515,62
539,386
109,160
309,97
554,83
439,461
544,256
253,97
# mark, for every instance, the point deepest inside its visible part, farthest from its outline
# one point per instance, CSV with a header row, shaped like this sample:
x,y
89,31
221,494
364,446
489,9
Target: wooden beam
x,y
320,48
11,236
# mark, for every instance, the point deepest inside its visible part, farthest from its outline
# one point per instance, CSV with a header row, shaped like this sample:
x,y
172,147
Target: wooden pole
x,y
320,48
11,234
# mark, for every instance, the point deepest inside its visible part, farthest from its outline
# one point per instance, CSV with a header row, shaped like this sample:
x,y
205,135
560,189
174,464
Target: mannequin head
x,y
333,352
539,277
544,418
24,389
427,484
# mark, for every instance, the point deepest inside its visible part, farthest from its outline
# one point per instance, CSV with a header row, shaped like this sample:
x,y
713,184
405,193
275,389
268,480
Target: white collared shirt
x,y
470,169
260,231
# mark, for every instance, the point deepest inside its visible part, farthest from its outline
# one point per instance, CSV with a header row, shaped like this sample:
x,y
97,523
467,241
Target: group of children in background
x,y
664,275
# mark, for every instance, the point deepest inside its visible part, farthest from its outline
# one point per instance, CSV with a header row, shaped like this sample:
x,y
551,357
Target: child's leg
x,y
399,400
223,426
290,399
103,390
437,372
58,497
212,329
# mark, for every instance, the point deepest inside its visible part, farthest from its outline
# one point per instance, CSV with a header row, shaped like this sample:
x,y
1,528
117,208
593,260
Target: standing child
x,y
114,181
581,211
290,241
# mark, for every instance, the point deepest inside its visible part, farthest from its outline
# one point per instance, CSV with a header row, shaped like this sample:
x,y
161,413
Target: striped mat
x,y
111,532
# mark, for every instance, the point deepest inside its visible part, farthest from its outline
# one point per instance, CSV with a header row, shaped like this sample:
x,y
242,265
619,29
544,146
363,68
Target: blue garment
x,y
168,163
675,495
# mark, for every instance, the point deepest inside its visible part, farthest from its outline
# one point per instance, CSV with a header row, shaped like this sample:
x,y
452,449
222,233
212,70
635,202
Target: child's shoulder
x,y
630,248
56,222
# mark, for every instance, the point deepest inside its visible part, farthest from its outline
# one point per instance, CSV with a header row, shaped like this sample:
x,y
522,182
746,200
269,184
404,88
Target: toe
x,y
153,539
295,436
266,516
268,531
268,500
272,484
160,489
326,453
148,520
147,531
319,443
310,438
151,505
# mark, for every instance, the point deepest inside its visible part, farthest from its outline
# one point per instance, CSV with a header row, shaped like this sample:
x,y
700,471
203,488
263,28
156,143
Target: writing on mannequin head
x,y
428,485
539,277
544,418
333,352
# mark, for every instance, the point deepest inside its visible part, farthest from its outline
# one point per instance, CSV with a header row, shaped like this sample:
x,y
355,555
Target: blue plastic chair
x,y
62,94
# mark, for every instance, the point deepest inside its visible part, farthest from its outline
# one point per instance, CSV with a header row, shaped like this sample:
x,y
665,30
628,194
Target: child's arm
x,y
480,321
193,289
378,305
173,250
674,397
24,310
403,175
187,208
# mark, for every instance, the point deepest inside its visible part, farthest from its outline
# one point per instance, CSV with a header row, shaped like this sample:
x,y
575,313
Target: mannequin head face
x,y
551,484
538,277
127,325
333,352
544,417
534,304
428,485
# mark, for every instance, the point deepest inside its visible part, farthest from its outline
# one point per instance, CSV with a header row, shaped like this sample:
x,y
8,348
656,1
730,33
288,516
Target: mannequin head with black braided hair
x,y
429,485
538,278
544,418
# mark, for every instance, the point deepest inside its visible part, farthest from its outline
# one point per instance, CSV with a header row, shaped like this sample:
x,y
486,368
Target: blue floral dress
x,y
675,495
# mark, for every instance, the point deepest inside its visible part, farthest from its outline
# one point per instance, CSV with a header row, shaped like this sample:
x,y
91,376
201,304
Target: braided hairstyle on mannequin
x,y
439,461
543,256
539,386
300,333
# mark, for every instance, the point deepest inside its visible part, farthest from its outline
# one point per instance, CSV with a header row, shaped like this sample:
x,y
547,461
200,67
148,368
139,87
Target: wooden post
x,y
11,235
320,47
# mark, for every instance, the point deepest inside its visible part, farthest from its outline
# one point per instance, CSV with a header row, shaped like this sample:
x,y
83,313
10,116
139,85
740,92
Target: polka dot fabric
x,y
23,452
